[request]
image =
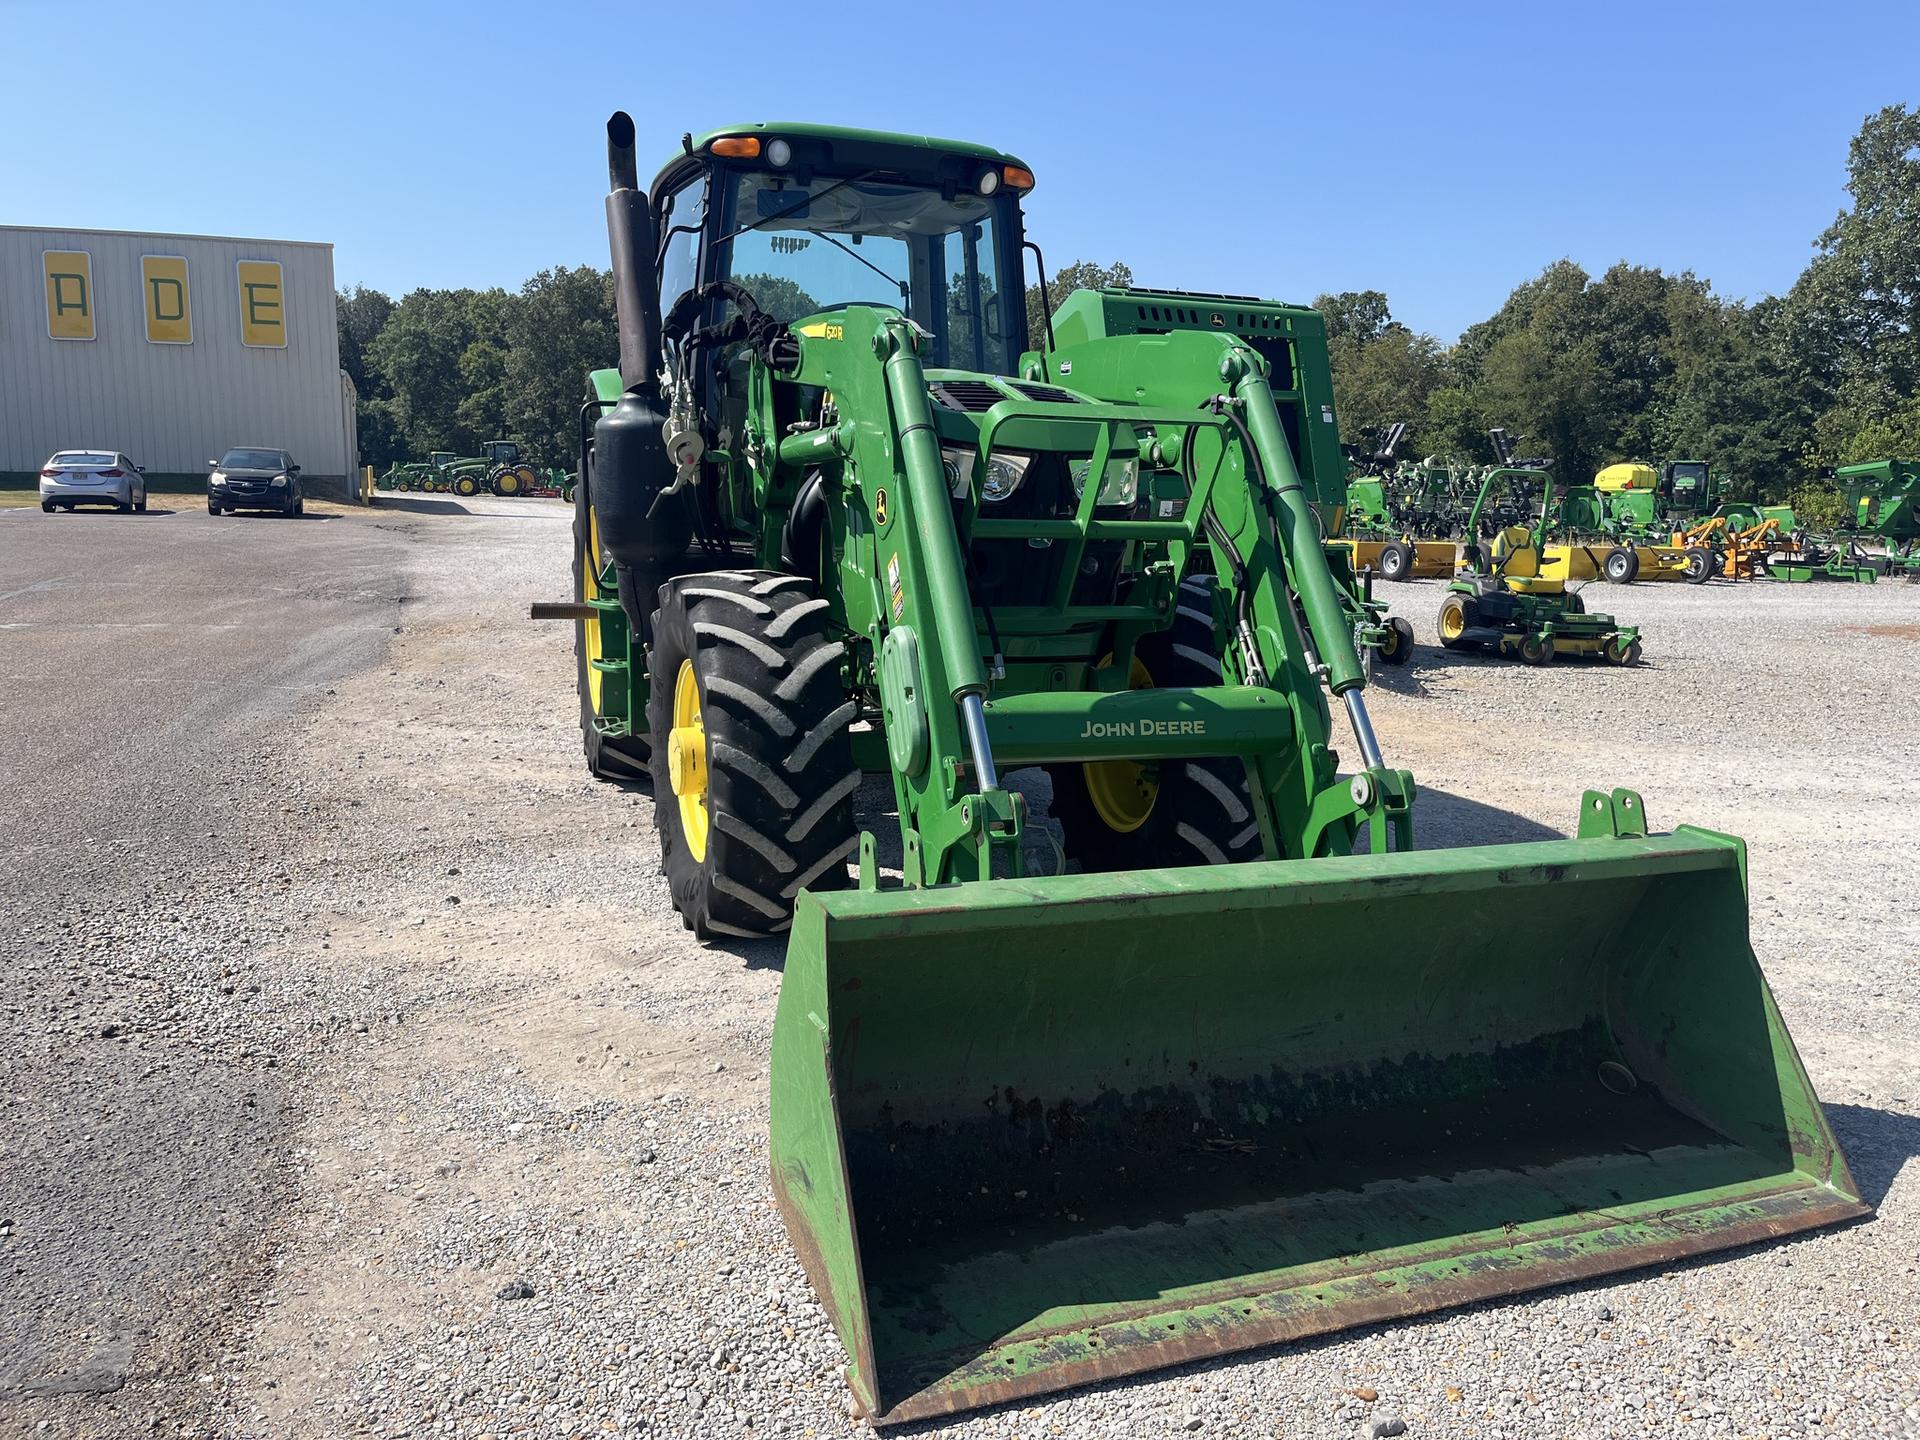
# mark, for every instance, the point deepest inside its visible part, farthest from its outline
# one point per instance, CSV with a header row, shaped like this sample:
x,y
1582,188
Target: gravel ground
x,y
517,1135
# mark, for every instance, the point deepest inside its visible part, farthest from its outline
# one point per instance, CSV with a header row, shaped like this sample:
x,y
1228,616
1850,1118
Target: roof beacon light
x,y
737,147
1018,177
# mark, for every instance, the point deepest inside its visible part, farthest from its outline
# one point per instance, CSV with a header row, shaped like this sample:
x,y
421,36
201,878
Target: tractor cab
x,y
440,459
797,221
1685,487
500,452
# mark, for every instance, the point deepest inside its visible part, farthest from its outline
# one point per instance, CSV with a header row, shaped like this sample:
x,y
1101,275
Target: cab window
x,y
681,221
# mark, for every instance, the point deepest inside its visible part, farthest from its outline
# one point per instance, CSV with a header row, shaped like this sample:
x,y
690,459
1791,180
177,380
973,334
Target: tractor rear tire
x,y
618,758
1396,561
1119,816
1458,614
1398,647
1621,565
746,670
1700,565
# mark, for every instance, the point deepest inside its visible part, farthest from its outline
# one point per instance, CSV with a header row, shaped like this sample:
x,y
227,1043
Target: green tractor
x,y
1506,602
1032,1130
497,470
418,475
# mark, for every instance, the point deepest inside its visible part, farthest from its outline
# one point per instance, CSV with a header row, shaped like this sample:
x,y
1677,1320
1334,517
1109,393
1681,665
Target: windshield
x,y
250,460
864,242
81,457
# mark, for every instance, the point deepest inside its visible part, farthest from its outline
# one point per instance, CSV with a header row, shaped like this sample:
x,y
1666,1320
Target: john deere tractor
x,y
497,470
1031,1130
1508,601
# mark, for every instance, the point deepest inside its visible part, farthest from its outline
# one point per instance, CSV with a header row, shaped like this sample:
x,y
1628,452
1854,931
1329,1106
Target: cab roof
x,y
855,139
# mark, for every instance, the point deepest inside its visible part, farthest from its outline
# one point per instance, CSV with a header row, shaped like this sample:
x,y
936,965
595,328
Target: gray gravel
x,y
506,1071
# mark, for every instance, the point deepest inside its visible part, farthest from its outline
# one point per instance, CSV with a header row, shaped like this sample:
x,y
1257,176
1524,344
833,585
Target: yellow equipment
x,y
1627,475
1404,559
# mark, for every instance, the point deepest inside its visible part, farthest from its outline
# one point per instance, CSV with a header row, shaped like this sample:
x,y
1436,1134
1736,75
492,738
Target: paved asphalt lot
x,y
157,673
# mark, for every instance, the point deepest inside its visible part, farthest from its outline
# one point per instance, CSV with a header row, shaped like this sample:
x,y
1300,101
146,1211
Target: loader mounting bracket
x,y
1619,816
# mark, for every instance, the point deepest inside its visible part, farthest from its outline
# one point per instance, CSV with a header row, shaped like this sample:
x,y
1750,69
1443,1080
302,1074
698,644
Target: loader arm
x,y
903,586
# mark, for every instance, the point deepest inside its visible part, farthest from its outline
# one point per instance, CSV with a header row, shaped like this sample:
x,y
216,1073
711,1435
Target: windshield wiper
x,y
906,295
804,202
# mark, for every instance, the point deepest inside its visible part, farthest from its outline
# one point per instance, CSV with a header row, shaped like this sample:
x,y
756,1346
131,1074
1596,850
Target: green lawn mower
x,y
1506,603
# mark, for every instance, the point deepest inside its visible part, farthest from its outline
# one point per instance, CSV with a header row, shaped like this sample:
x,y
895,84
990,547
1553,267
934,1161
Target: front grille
x,y
1048,394
972,396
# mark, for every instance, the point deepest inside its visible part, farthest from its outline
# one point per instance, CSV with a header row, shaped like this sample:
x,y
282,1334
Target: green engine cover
x,y
1292,339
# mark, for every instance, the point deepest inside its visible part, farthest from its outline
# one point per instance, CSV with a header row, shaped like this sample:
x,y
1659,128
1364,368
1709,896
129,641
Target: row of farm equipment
x,y
1410,520
1040,1119
499,469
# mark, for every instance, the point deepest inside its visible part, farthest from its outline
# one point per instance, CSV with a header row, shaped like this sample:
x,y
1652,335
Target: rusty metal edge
x,y
800,1236
1444,1295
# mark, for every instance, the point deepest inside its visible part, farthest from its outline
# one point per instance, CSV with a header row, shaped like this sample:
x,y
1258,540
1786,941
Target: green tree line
x,y
448,369
1636,364
1642,364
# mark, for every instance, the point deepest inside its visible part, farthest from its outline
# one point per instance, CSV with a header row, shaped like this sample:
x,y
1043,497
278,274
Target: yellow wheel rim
x,y
1123,791
1453,622
507,483
590,590
687,760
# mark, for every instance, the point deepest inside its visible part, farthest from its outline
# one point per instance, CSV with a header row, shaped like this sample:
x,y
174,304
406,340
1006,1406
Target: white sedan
x,y
92,477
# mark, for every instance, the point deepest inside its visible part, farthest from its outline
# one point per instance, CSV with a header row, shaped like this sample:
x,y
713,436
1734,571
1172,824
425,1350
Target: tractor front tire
x,y
1119,815
467,486
749,714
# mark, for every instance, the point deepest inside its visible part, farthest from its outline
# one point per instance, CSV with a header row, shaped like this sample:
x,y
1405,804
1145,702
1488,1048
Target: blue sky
x,y
1440,153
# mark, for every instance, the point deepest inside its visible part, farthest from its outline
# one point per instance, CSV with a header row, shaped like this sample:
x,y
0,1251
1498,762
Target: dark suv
x,y
254,479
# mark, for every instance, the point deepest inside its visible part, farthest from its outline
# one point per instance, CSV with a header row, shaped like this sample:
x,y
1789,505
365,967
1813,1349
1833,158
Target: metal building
x,y
170,348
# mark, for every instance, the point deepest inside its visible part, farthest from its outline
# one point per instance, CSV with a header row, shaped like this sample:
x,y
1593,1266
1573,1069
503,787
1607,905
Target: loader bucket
x,y
1028,1134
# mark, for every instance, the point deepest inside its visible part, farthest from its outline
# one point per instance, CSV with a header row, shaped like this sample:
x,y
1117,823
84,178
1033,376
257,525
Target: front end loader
x,y
1030,1130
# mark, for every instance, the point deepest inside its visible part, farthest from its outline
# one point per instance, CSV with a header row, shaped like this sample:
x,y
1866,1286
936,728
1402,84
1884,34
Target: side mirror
x,y
139,469
293,469
213,464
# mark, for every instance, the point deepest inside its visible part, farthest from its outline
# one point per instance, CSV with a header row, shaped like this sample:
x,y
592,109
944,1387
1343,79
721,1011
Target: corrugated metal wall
x,y
170,407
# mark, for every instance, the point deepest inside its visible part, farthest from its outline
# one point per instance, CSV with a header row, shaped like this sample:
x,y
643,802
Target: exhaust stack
x,y
633,243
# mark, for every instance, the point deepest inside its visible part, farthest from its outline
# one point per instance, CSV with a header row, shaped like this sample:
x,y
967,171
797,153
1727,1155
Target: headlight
x,y
278,480
1120,485
218,478
1003,475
